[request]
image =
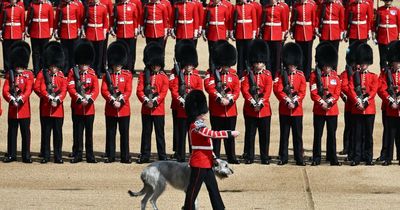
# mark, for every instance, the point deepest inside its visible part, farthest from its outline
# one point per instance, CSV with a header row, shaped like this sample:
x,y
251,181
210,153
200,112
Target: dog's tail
x,y
136,194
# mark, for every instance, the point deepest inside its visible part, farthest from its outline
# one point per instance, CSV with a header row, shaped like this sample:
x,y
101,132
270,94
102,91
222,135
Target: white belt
x,y
388,25
245,21
38,20
154,21
330,22
68,21
303,23
203,147
95,25
13,24
273,24
125,22
359,22
185,21
217,23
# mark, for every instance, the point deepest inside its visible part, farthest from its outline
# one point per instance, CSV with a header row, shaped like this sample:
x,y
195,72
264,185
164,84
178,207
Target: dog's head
x,y
222,169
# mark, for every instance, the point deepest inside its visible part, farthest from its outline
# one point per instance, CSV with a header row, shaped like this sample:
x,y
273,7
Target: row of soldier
x,y
272,21
357,86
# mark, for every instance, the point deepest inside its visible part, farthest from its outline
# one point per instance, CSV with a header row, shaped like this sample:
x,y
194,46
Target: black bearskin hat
x,y
292,54
186,54
224,54
326,55
351,52
84,53
364,54
53,55
117,54
258,52
153,54
20,53
394,52
195,104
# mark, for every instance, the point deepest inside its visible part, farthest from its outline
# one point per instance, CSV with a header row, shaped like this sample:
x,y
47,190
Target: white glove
x,y
121,97
57,98
342,35
166,33
137,32
288,100
291,35
253,102
50,97
172,33
27,32
105,32
317,33
203,33
142,31
54,104
117,104
182,101
369,35
83,35
254,34
55,34
112,32
196,34
232,36
374,38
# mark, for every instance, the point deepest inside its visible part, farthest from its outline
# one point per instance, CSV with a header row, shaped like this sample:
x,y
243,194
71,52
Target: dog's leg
x,y
146,198
158,190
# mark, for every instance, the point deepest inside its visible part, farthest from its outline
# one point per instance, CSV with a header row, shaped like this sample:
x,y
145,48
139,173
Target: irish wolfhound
x,y
156,175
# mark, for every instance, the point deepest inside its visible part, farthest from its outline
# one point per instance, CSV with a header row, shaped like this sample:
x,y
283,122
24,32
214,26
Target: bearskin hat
x,y
292,54
84,52
117,53
259,52
224,54
153,54
20,53
394,52
195,104
326,55
351,52
186,54
364,54
53,55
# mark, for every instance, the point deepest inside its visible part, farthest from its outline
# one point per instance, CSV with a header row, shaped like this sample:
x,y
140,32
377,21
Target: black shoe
x,y
281,162
127,161
337,163
71,155
58,161
91,160
163,159
343,152
9,159
265,162
387,162
76,160
28,160
380,158
315,163
355,163
300,163
369,163
109,160
143,160
235,161
44,160
181,160
248,161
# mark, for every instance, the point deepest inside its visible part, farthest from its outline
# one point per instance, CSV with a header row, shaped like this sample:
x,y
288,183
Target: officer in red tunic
x,y
223,88
273,30
83,87
12,27
304,31
243,29
185,21
363,87
67,26
95,30
151,91
16,91
325,93
125,26
361,23
387,29
391,94
53,89
39,27
116,89
290,89
256,86
182,84
202,158
155,23
215,25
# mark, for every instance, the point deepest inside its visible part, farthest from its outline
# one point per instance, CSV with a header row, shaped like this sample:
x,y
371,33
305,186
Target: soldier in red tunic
x,y
361,19
202,158
16,91
185,21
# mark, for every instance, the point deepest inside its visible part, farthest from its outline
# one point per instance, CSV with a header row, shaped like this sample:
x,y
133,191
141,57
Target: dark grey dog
x,y
156,175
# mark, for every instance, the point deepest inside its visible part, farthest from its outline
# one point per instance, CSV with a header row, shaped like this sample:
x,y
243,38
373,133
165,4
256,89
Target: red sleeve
x,y
166,17
28,89
105,20
128,87
209,86
344,83
6,90
203,20
51,16
1,19
200,12
314,88
398,19
375,85
370,18
236,88
71,86
245,88
63,89
140,88
352,92
164,90
381,79
338,90
95,90
37,84
196,19
228,18
174,85
254,18
382,92
342,24
317,15
22,18
104,90
302,90
284,20
206,132
268,88
278,88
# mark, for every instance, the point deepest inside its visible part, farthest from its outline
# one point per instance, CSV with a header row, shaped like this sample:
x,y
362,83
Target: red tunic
x,y
246,23
15,21
385,95
389,25
128,20
305,22
71,20
331,85
362,20
344,79
42,20
219,21
59,83
157,20
370,84
97,22
188,19
276,22
123,83
333,21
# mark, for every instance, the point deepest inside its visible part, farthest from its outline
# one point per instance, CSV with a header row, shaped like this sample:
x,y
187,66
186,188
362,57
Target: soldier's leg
x,y
250,135
383,50
229,143
123,125
240,45
80,127
26,138
318,125
331,126
47,122
174,133
147,129
284,127
58,138
297,131
111,129
181,146
264,127
159,123
213,191
89,120
391,132
216,123
369,143
12,138
384,137
346,133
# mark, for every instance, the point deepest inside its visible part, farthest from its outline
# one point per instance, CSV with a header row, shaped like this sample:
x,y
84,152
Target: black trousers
x,y
351,41
182,132
131,54
224,123
275,49
123,126
363,127
383,51
331,126
179,40
347,132
53,124
211,45
263,125
393,135
37,51
68,47
147,129
242,47
6,50
197,177
12,134
83,123
161,40
98,58
306,47
296,124
174,131
385,136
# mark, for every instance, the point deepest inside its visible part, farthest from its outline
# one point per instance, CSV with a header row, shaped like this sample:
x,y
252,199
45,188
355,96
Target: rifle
x,y
13,87
320,85
176,15
287,89
110,85
219,86
30,19
391,87
145,16
293,25
253,90
262,27
60,17
181,77
115,26
49,84
359,90
86,20
321,18
148,89
207,25
349,23
377,21
235,20
78,84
